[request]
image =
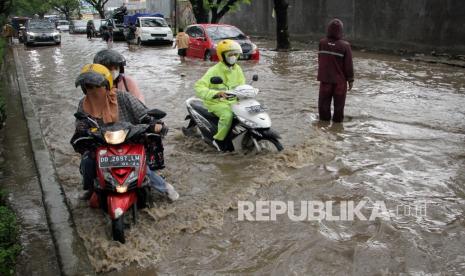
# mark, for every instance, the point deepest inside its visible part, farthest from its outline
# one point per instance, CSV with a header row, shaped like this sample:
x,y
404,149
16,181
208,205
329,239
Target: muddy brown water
x,y
401,143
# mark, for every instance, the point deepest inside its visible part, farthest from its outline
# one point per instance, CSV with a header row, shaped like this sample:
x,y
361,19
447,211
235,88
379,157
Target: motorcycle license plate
x,y
119,161
256,109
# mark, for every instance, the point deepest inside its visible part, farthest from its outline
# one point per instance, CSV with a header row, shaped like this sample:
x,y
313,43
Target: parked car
x,y
62,25
153,28
77,26
41,32
204,37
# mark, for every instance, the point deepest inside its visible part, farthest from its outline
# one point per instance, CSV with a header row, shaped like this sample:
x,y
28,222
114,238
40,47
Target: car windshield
x,y
153,22
41,25
224,32
63,23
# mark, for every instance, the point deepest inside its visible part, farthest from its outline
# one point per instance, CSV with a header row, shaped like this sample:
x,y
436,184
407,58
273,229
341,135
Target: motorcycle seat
x,y
198,106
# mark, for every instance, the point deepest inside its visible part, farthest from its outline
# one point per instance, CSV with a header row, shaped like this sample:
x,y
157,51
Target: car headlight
x,y
30,33
55,33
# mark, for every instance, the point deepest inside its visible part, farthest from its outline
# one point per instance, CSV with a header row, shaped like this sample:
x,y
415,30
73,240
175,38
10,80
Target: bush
x,y
9,246
2,103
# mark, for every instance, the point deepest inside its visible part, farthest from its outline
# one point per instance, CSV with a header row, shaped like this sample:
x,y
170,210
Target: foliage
x,y
30,7
5,6
2,103
218,8
66,7
98,5
9,247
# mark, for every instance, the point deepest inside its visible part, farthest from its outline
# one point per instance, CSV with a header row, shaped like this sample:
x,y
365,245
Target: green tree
x,y
31,7
5,6
66,7
99,6
217,9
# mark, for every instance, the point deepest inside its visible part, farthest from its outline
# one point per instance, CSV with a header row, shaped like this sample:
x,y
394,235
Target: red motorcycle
x,y
123,152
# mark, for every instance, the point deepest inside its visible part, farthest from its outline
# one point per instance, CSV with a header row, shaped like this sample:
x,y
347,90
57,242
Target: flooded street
x,y
402,143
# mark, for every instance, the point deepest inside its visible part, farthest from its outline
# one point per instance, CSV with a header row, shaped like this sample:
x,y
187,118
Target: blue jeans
x,y
89,173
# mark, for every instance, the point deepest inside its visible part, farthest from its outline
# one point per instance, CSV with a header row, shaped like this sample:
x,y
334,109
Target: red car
x,y
204,37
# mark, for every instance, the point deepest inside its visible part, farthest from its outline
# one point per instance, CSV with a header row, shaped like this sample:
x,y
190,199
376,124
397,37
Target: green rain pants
x,y
224,112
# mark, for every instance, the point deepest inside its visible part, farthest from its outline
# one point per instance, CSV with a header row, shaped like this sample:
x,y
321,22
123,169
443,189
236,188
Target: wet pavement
x,y
401,143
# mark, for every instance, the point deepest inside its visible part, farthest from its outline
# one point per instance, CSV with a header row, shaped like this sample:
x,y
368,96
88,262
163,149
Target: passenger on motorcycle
x,y
116,62
214,96
106,105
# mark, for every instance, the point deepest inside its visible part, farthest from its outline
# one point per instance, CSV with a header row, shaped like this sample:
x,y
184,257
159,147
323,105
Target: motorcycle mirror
x,y
255,77
80,115
156,113
216,80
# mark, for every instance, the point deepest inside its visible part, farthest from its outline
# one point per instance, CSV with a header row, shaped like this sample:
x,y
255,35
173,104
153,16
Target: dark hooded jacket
x,y
335,56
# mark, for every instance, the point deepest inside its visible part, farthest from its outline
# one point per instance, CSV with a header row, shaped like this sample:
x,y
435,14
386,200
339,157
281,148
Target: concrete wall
x,y
412,25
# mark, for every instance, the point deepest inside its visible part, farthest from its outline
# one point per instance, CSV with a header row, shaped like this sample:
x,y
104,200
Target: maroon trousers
x,y
328,92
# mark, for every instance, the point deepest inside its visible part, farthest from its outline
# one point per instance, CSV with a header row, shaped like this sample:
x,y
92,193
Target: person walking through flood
x,y
132,35
90,29
335,72
8,32
182,42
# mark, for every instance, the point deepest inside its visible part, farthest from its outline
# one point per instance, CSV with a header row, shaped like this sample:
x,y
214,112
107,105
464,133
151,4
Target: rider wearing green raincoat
x,y
213,95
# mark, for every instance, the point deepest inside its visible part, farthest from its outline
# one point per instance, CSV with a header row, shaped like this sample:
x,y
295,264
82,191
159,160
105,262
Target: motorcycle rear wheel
x,y
117,227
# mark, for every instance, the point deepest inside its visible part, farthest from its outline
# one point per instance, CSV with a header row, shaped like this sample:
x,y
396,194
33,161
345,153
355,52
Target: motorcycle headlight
x,y
115,137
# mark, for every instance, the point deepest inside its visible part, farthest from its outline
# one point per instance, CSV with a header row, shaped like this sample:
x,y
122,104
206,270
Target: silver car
x,y
62,25
78,27
39,32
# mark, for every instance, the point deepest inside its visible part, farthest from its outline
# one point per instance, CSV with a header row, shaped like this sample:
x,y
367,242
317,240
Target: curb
x,y
71,252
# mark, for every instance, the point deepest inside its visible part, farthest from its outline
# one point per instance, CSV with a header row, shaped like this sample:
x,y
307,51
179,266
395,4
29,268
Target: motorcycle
x,y
122,152
251,126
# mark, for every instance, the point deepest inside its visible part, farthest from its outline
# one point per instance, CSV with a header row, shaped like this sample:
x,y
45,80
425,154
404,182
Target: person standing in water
x,y
335,72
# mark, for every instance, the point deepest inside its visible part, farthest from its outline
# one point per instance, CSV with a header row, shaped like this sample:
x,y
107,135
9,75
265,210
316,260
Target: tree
x,y
66,7
99,6
31,7
5,6
218,8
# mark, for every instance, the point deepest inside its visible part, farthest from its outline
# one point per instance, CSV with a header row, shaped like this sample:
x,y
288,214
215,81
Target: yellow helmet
x,y
94,75
225,46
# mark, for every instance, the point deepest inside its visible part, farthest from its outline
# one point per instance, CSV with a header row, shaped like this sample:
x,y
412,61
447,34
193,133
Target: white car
x,y
63,25
153,29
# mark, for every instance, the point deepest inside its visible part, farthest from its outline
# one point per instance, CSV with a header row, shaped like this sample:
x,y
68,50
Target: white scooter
x,y
251,126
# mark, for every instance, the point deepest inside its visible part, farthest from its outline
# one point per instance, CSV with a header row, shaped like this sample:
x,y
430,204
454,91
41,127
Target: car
x,y
78,27
203,39
62,25
152,29
39,32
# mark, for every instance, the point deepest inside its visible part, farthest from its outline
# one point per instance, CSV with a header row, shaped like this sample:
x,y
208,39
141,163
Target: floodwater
x,y
401,144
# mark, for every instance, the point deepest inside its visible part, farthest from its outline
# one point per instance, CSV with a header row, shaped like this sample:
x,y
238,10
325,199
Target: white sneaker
x,y
171,192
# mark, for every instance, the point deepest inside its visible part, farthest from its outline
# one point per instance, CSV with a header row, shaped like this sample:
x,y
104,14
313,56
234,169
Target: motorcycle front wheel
x,y
266,144
117,227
